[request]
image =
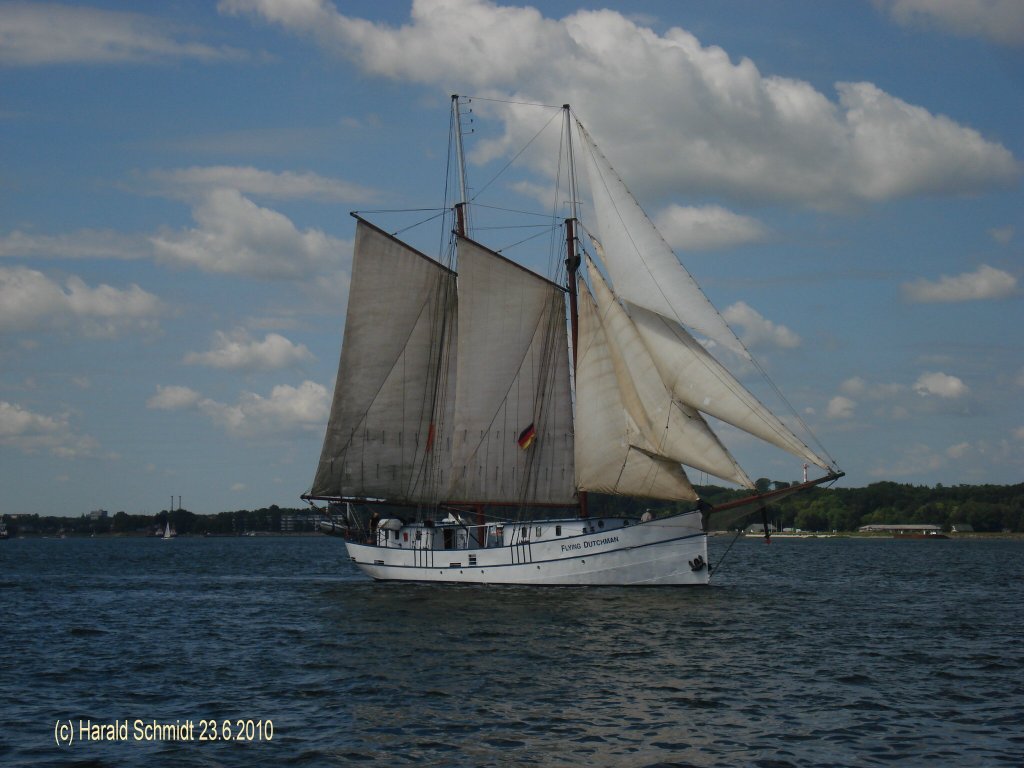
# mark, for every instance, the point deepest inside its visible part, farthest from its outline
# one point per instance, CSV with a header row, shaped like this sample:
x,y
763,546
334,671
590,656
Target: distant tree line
x,y
989,508
265,520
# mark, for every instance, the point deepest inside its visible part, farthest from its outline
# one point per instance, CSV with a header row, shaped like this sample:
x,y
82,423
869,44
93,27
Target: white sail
x,y
673,429
386,435
641,264
453,392
699,380
612,453
512,375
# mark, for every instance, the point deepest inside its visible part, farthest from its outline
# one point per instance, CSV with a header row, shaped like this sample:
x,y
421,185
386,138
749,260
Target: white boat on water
x,y
478,403
169,533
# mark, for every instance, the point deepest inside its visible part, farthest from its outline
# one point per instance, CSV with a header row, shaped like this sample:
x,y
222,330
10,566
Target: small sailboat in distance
x,y
478,403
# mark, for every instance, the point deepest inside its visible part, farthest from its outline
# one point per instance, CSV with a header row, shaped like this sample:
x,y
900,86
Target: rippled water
x,y
805,652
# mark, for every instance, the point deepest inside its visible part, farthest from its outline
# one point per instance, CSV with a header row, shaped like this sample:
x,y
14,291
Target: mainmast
x,y
462,206
572,261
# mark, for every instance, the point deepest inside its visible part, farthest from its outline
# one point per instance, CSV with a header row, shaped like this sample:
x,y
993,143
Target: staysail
x,y
513,415
672,429
642,266
387,436
663,300
703,383
612,453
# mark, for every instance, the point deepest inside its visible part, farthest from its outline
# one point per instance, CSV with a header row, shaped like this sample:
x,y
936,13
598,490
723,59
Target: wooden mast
x,y
462,206
462,230
572,265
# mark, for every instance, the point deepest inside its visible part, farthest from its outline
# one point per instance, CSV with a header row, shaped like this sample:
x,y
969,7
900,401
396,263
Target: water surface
x,y
807,652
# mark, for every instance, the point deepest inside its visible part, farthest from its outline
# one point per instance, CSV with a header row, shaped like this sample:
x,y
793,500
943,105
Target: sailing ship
x,y
478,403
169,533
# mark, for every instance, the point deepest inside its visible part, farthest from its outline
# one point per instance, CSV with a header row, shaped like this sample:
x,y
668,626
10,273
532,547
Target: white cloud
x,y
83,244
958,451
194,182
239,352
708,227
853,386
709,125
917,460
288,408
15,420
33,34
758,330
173,398
857,386
32,432
1000,21
840,407
1002,235
984,283
940,385
29,300
236,236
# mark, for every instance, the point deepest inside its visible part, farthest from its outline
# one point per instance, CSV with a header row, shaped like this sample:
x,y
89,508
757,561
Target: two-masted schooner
x,y
478,402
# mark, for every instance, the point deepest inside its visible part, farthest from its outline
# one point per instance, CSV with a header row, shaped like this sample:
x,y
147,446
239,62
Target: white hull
x,y
663,551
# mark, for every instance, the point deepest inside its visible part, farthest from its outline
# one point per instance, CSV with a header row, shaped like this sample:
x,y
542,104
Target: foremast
x,y
572,264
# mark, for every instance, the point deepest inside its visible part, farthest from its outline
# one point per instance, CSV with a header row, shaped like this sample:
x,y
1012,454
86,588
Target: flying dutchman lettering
x,y
589,544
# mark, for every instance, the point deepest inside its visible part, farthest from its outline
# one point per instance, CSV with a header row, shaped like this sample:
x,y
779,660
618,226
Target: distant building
x,y
98,514
901,528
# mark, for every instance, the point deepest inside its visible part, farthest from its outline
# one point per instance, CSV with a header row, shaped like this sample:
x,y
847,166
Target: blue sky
x,y
844,179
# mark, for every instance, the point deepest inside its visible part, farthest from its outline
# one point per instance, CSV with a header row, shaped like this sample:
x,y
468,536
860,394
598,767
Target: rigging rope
x,y
714,569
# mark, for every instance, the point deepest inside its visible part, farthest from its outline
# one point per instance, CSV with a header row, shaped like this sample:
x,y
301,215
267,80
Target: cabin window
x,y
396,535
600,523
419,535
472,559
538,531
558,530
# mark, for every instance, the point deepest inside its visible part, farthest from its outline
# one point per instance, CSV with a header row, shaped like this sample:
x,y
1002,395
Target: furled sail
x,y
642,266
386,435
612,453
513,414
673,429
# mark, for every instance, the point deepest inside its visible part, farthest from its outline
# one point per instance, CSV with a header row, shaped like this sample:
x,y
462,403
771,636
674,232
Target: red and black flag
x,y
526,437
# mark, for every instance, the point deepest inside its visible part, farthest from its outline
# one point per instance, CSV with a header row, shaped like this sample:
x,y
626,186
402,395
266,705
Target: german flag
x,y
526,437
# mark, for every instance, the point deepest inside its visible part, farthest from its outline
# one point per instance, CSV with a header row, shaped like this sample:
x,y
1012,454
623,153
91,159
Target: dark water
x,y
807,652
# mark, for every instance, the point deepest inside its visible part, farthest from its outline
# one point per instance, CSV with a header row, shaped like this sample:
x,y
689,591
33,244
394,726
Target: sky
x,y
843,179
